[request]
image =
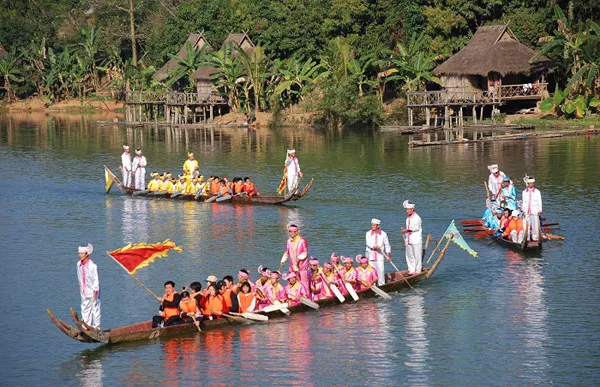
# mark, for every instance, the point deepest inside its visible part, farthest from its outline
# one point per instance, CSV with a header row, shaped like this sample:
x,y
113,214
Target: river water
x,y
503,318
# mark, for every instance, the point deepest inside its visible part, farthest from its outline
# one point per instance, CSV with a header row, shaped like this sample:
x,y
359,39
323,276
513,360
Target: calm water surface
x,y
500,319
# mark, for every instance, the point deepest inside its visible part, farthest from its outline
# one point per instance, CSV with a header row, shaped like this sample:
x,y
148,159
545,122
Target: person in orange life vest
x,y
223,190
514,229
230,297
187,307
335,262
215,306
505,219
349,274
274,290
366,275
249,187
294,289
169,305
228,184
238,185
246,298
214,186
260,284
316,284
196,294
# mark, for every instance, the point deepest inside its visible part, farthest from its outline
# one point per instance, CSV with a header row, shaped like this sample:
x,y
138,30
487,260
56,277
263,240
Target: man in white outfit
x,y
126,166
532,209
89,287
292,167
495,181
378,247
139,170
413,239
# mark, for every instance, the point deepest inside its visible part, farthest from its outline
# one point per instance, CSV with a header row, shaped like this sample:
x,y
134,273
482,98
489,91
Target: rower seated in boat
x,y
294,289
243,276
214,306
315,280
238,185
508,194
335,262
349,274
250,188
229,297
169,306
246,298
214,186
154,184
223,189
330,279
366,274
180,185
274,291
514,230
190,185
169,185
199,184
259,286
162,182
188,308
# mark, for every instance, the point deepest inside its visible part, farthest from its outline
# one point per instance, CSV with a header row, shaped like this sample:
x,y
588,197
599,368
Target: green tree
x,y
187,66
294,77
228,76
9,71
256,66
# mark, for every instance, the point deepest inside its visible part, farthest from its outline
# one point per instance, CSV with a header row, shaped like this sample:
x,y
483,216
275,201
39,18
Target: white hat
x,y
493,168
406,204
290,151
86,249
126,147
138,151
530,180
375,221
514,213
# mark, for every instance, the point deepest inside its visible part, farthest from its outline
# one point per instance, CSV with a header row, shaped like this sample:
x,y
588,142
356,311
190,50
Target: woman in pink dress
x,y
294,289
366,274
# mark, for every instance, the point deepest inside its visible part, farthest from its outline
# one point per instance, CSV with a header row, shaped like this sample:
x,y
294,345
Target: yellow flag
x,y
109,180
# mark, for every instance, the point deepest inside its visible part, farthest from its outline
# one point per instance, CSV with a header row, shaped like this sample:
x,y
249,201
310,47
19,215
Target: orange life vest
x,y
214,304
227,297
514,224
238,187
214,187
245,301
170,311
188,306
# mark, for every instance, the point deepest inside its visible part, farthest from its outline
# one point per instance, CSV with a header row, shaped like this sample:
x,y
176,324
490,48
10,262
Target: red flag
x,y
283,183
133,257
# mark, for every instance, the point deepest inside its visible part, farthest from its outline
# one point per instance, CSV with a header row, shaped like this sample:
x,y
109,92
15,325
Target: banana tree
x,y
358,68
293,77
228,76
188,65
34,57
9,71
256,66
562,104
88,52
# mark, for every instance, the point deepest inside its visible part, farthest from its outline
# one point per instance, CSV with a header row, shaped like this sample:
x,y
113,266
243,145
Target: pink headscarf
x,y
361,259
287,276
347,259
275,274
293,228
335,258
264,272
328,265
313,261
242,274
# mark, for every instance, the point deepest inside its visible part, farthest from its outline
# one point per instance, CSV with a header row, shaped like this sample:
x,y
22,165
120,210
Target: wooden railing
x,y
523,91
173,98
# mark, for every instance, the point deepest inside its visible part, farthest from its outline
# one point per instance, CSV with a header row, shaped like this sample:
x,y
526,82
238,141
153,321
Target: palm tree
x,y
188,65
228,76
9,71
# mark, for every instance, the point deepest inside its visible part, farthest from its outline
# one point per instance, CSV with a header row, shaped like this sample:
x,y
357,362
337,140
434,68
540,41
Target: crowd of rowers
x,y
219,297
509,217
192,183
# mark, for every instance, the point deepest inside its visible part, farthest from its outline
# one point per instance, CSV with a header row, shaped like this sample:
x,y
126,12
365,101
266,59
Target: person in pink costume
x,y
294,289
335,261
315,280
366,274
260,285
329,279
297,252
348,274
274,290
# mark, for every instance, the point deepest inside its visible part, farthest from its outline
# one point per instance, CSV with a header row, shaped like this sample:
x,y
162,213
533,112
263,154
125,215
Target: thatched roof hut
x,y
196,40
3,52
493,53
242,40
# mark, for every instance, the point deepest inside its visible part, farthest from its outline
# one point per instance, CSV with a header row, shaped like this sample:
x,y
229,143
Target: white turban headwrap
x,y
125,147
86,249
493,168
290,151
375,221
406,204
530,180
138,151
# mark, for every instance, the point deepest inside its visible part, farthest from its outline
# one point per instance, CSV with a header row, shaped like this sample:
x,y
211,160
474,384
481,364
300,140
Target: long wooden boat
x,y
524,246
239,199
144,331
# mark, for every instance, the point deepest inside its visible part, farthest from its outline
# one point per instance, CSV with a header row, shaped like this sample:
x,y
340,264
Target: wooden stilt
x,y
427,116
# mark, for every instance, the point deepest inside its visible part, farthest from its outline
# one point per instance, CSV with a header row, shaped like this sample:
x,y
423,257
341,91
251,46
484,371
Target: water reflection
x,y
135,219
531,316
416,337
90,373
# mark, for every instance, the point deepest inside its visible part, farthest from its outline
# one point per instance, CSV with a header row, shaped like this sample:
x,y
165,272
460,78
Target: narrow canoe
x,y
240,199
144,331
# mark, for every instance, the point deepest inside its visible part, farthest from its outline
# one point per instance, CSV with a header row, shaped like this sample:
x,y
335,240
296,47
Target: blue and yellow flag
x,y
453,233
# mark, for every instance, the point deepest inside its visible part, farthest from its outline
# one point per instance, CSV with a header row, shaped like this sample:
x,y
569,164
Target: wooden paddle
x,y
309,303
234,318
483,234
399,272
471,222
380,292
175,194
347,284
285,310
477,229
554,237
333,289
273,308
211,199
252,316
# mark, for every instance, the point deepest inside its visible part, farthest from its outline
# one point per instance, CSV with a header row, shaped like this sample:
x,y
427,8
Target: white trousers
x,y
90,311
533,224
516,238
379,268
291,182
126,178
140,178
414,254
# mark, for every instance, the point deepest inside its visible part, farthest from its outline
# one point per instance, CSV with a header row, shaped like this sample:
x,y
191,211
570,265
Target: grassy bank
x,y
555,123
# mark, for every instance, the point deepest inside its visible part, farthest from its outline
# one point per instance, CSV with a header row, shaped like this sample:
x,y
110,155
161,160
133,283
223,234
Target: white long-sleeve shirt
x,y
139,163
379,239
532,201
293,166
414,235
87,274
126,161
494,183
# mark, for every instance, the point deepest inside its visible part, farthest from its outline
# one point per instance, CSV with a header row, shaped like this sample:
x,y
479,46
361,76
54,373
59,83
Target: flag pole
x,y
134,277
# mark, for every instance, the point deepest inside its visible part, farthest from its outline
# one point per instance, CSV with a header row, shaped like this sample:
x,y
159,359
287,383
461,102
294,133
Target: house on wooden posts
x,y
196,40
492,70
3,52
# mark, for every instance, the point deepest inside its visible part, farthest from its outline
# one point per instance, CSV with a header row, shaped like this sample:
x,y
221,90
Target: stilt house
x,y
197,41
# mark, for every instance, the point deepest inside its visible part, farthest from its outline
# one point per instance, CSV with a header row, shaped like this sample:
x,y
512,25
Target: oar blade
x,y
309,303
351,291
380,293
